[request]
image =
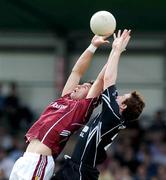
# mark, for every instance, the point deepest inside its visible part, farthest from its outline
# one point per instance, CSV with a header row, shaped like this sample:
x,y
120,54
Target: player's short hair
x,y
135,105
91,82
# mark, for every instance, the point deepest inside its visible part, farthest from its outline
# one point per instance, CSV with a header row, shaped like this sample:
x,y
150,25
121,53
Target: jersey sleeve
x,y
110,105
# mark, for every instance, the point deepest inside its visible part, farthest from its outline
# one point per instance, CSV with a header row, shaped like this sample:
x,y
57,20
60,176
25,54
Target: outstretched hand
x,y
99,40
121,40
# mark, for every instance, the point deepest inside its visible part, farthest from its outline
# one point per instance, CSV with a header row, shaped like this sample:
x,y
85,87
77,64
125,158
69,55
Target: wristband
x,y
92,48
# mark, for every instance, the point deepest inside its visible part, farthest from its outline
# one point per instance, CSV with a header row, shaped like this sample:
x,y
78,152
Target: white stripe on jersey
x,y
80,170
98,139
106,147
106,97
103,97
65,133
108,94
96,130
90,136
110,130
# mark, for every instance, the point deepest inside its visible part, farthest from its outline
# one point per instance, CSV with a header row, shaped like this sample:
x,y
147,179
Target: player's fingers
x,y
119,33
125,34
114,35
128,34
126,41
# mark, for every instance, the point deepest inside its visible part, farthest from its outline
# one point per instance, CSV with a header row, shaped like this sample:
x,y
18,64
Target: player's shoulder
x,y
110,88
110,91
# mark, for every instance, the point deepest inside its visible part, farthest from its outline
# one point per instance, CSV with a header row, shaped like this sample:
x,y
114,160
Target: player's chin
x,y
74,96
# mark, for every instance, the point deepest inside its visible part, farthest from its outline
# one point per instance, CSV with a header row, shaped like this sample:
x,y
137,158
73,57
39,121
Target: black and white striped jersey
x,y
99,133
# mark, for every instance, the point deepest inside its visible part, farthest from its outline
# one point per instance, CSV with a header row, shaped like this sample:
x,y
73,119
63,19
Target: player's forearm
x,y
111,71
96,88
83,62
101,74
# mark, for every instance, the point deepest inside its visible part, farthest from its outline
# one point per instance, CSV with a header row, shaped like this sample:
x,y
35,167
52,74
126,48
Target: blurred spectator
x,y
19,117
160,156
150,165
12,99
144,156
6,164
11,104
115,168
5,138
158,122
130,160
17,148
105,175
141,173
161,175
126,174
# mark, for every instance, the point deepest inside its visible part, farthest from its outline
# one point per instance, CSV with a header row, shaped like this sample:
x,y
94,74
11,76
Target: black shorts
x,y
70,171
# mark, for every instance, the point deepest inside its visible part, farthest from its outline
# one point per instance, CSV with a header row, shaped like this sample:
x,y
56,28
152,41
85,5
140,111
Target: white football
x,y
103,23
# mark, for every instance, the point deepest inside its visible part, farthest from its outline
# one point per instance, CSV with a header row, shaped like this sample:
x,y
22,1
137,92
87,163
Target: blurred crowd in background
x,y
138,153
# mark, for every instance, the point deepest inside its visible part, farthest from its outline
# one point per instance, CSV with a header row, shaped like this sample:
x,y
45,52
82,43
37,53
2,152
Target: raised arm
x,y
119,44
97,86
82,64
101,81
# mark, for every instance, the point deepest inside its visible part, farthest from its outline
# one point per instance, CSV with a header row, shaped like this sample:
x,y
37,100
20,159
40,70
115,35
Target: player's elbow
x,y
108,79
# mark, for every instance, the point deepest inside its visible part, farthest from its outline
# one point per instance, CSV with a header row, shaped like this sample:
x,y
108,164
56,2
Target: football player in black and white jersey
x,y
98,134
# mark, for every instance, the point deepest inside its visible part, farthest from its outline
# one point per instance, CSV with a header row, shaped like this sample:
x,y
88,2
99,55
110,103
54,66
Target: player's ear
x,y
123,106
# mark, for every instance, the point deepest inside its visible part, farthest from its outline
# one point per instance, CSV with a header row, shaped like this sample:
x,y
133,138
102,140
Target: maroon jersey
x,y
59,120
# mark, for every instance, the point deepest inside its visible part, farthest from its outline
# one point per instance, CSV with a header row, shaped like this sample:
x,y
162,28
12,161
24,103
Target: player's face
x,y
81,91
121,99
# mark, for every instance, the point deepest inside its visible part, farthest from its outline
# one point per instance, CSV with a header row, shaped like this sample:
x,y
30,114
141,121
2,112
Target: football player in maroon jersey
x,y
61,118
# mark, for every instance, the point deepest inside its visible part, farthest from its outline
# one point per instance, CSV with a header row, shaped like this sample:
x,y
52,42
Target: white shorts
x,y
33,166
